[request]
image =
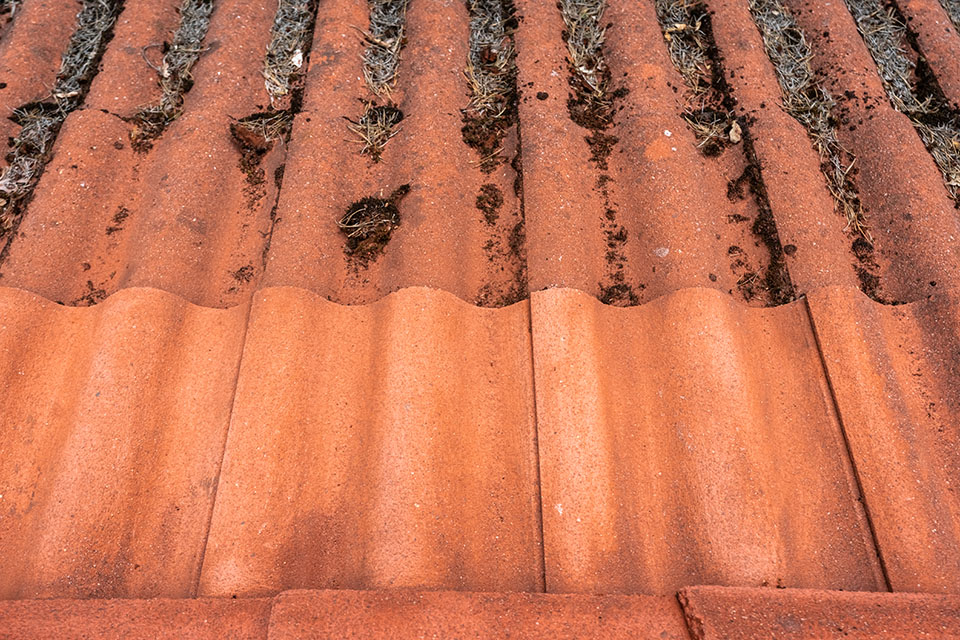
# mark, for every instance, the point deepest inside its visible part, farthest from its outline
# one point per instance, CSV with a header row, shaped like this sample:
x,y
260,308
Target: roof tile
x,y
390,445
795,614
114,423
894,371
691,440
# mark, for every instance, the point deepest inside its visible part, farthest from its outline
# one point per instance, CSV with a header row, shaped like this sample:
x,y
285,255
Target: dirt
x,y
489,202
254,136
118,218
369,224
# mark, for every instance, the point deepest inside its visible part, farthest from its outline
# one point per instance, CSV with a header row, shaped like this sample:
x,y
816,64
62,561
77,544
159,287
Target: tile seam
x,y
536,446
226,441
850,460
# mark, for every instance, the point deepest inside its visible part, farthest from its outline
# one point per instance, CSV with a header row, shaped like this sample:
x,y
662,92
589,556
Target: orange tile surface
x,y
206,396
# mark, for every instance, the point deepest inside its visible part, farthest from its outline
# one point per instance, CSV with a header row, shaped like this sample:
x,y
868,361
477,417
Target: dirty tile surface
x,y
468,314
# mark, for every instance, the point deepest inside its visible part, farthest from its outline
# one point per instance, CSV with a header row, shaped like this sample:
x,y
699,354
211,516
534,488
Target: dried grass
x,y
375,127
683,23
40,122
289,40
809,103
491,64
174,70
585,38
384,39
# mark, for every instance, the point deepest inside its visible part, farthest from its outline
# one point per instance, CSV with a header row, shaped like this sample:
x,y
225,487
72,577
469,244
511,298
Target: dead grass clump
x,y
686,29
289,42
952,7
810,104
41,121
256,133
591,106
911,90
175,80
492,73
9,7
369,223
375,126
385,39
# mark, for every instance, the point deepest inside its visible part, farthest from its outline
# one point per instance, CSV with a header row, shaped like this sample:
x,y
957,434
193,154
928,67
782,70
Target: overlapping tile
x,y
417,614
894,371
158,619
691,440
732,614
183,217
111,437
390,445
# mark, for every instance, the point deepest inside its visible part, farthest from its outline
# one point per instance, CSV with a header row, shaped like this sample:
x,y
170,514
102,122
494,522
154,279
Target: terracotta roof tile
x,y
249,405
691,440
417,614
390,445
894,371
732,614
114,423
156,619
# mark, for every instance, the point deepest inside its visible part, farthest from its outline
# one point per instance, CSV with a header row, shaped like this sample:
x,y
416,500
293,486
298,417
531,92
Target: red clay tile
x,y
443,239
129,83
193,224
446,614
111,439
802,205
939,42
135,619
30,55
390,445
908,209
671,201
895,373
690,441
794,614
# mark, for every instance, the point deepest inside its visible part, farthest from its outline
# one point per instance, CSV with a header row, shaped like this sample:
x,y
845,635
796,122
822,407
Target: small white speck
x,y
661,252
559,508
667,132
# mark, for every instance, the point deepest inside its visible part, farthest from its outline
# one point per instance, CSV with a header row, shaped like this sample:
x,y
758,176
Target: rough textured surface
x,y
894,371
111,438
410,614
691,441
390,445
135,619
735,614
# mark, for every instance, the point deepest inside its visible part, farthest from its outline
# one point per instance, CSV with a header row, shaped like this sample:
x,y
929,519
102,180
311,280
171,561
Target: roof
x,y
631,320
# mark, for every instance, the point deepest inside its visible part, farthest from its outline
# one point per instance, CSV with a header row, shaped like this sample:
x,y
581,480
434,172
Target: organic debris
x,y
369,223
591,106
9,7
175,80
290,40
385,39
41,121
686,29
492,73
952,7
375,126
912,90
810,104
255,135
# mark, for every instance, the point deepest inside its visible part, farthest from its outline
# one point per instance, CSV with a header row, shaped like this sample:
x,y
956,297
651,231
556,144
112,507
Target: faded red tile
x,y
690,441
417,614
111,439
383,446
202,619
895,372
734,614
